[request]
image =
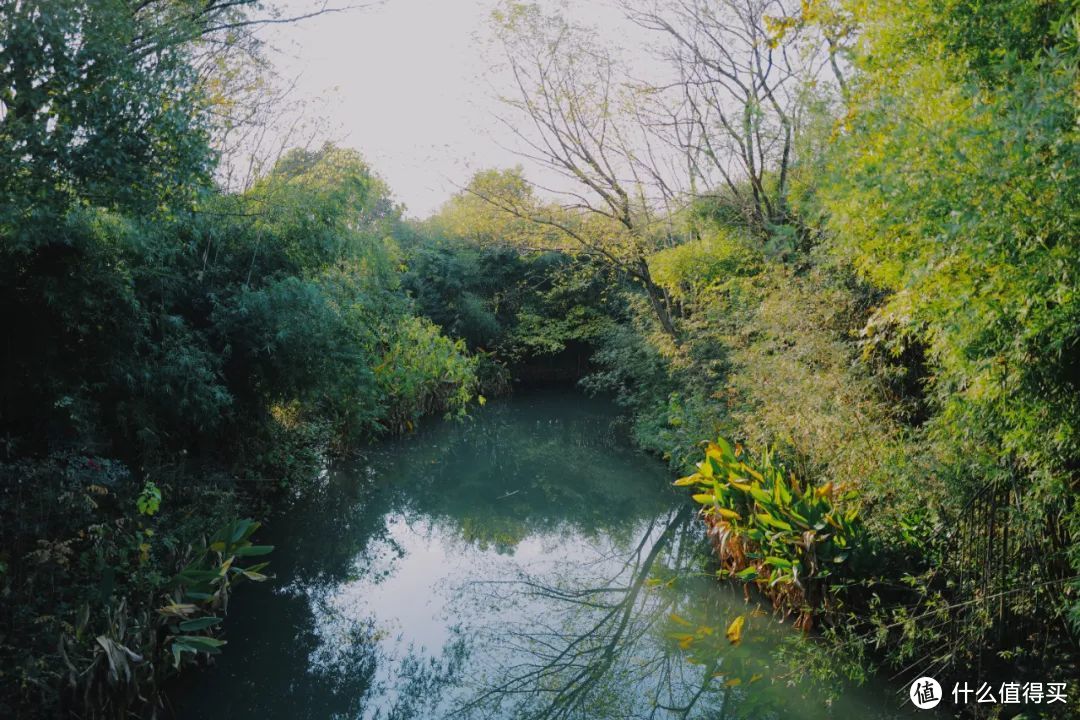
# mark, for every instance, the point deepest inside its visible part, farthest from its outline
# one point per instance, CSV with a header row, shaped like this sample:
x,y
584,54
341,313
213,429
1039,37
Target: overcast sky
x,y
410,84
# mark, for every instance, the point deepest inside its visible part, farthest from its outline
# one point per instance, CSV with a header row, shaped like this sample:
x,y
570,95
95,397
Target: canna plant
x,y
116,657
200,591
792,541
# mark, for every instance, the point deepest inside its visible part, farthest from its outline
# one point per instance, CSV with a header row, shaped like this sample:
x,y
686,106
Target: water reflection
x,y
526,564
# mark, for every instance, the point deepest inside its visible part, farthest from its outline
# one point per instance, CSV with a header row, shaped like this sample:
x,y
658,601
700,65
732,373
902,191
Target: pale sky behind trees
x,y
411,85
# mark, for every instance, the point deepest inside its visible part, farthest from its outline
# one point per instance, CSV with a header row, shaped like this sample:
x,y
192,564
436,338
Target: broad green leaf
x,y
774,522
200,642
729,514
199,624
253,550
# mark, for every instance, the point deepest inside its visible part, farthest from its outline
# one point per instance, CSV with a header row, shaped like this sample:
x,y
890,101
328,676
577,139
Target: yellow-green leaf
x,y
735,630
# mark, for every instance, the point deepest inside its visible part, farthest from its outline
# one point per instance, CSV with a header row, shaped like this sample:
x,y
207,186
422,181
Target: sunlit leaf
x,y
734,631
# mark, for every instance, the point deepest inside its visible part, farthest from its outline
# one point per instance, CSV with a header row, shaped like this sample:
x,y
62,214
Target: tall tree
x,y
742,70
569,95
104,101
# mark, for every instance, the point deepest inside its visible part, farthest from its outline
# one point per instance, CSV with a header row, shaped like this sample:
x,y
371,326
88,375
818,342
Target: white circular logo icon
x,y
925,693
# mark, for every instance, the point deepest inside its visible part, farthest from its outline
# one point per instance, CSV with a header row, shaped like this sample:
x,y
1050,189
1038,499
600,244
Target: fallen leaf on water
x,y
734,631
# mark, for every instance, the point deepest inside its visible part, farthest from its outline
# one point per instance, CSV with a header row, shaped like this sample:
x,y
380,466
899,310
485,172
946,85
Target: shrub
x,y
423,372
794,541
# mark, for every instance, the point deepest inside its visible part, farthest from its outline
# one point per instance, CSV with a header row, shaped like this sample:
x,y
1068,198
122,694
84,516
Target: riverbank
x,y
166,375
445,573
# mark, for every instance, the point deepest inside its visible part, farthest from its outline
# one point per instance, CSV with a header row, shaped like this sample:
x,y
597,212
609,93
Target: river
x,y
524,563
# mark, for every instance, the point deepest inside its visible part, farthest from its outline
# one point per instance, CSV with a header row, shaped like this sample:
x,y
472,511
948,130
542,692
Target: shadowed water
x,y
526,563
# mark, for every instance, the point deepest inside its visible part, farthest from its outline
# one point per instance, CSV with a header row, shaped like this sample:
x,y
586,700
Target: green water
x,y
526,563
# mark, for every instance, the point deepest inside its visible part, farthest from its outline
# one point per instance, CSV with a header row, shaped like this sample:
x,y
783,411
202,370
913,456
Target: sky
x,y
412,85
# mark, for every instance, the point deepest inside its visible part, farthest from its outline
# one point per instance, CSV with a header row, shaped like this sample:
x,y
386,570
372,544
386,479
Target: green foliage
x,y
261,339
799,383
422,372
677,392
909,334
953,188
89,565
115,118
792,541
203,586
965,209
320,209
913,331
197,327
521,305
670,410
470,292
149,499
176,330
689,269
477,215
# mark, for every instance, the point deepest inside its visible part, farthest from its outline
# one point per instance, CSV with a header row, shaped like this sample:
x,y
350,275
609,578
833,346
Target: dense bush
x,y
165,339
913,333
98,571
521,303
954,188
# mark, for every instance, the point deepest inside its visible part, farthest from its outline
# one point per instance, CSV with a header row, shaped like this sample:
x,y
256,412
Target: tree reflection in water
x,y
640,635
573,657
527,564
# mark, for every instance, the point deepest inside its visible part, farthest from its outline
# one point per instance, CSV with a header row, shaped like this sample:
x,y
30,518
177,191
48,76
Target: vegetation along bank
x,y
834,285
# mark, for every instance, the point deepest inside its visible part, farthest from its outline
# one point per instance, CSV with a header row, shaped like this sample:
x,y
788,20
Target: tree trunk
x,y
657,299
